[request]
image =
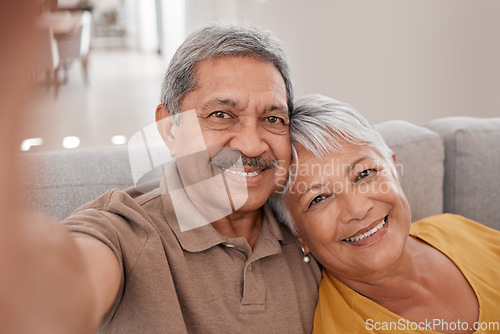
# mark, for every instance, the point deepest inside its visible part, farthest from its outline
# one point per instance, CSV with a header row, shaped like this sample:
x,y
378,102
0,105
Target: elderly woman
x,y
382,273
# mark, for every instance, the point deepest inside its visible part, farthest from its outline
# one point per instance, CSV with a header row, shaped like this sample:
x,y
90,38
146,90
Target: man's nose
x,y
249,139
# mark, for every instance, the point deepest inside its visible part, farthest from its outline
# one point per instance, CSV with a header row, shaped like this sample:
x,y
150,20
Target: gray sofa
x,y
449,165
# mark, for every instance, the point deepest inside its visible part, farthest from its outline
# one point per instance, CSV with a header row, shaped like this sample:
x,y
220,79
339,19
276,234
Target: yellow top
x,y
473,247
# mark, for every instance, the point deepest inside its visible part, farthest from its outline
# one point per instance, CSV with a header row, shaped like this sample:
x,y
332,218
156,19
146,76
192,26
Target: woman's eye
x,y
220,114
365,174
316,200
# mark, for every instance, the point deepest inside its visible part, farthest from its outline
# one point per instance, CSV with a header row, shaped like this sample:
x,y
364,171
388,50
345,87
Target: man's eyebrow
x,y
281,108
350,167
219,102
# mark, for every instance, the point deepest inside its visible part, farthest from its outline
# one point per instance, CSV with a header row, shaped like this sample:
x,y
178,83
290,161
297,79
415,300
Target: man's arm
x,y
104,274
49,282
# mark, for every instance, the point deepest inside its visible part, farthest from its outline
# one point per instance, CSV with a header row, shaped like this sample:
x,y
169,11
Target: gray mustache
x,y
227,158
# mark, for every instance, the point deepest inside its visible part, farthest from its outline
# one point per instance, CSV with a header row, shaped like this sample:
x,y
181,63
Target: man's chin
x,y
255,201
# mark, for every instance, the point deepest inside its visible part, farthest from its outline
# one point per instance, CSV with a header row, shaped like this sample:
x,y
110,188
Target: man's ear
x,y
165,124
395,161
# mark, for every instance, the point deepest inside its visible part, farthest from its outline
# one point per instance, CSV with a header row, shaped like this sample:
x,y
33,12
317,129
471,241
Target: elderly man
x,y
202,251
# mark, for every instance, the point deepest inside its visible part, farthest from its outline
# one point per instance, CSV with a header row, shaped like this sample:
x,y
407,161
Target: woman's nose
x,y
355,206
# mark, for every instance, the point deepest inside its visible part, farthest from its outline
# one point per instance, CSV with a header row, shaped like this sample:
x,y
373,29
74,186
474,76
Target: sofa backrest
x,y
451,165
60,182
419,155
472,164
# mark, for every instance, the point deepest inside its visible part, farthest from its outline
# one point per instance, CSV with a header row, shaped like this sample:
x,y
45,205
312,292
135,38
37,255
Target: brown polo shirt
x,y
197,281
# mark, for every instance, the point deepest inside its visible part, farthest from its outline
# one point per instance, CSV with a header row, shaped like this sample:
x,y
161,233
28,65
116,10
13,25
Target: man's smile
x,y
241,173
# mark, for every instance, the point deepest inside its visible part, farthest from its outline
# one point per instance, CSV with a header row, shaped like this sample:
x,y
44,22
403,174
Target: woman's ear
x,y
302,244
165,124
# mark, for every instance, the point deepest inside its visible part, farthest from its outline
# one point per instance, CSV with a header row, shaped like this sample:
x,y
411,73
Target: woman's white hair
x,y
322,126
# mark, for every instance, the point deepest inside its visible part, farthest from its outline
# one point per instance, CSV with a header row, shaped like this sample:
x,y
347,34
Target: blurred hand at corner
x,y
39,265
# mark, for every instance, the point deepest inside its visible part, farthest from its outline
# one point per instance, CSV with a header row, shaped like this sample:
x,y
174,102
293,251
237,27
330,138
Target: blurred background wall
x,y
391,59
414,60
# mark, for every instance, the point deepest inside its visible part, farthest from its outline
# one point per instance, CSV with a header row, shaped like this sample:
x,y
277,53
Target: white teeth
x,y
366,234
235,172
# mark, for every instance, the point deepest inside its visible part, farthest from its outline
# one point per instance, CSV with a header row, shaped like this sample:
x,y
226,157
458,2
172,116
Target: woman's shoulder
x,y
456,235
450,224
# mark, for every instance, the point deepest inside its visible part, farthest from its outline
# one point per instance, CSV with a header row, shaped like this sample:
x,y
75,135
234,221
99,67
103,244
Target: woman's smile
x,y
369,235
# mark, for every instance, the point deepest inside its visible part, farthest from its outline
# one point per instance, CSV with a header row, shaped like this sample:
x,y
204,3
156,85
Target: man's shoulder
x,y
124,201
118,212
124,220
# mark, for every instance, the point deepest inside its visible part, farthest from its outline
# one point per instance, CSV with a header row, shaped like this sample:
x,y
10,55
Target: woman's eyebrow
x,y
314,186
350,167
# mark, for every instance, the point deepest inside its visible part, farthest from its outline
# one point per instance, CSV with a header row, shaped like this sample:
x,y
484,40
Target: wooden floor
x,y
120,99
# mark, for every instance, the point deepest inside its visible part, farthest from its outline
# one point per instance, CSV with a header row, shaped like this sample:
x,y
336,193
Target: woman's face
x,y
350,211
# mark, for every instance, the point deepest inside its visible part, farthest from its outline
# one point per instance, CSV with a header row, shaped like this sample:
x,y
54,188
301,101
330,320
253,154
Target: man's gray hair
x,y
220,40
322,126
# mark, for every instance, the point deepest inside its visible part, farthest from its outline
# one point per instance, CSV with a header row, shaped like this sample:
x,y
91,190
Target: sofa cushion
x,y
60,182
420,155
472,164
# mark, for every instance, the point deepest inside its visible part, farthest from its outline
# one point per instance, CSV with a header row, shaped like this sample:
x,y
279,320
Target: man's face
x,y
241,108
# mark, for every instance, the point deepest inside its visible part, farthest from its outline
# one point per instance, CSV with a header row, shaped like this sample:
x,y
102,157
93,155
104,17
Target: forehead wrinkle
x,y
272,106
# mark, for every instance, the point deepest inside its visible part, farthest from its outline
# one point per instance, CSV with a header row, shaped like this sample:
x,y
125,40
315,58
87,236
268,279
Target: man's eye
x,y
220,114
275,124
275,120
316,200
